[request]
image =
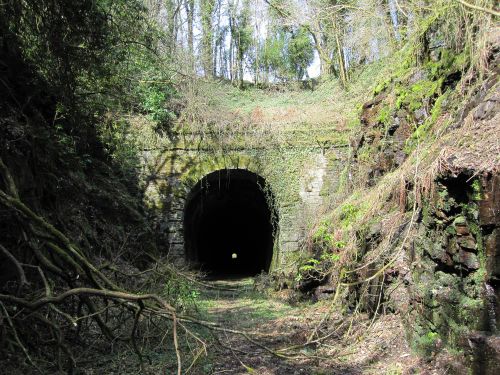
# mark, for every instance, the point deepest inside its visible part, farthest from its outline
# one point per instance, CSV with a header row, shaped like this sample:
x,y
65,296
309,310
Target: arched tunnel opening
x,y
228,224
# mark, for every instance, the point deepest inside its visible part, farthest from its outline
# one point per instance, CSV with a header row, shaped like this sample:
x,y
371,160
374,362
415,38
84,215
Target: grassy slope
x,y
328,104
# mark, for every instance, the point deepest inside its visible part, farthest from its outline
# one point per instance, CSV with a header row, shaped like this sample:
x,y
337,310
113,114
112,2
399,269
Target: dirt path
x,y
376,347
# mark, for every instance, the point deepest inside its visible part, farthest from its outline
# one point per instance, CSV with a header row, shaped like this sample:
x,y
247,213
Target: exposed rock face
x,y
489,209
385,132
451,269
455,287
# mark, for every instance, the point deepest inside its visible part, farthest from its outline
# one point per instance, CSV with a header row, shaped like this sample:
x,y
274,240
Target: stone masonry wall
x,y
296,184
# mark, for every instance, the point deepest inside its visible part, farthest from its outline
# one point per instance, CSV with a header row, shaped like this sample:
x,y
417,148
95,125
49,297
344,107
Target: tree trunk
x,y
189,6
340,55
207,8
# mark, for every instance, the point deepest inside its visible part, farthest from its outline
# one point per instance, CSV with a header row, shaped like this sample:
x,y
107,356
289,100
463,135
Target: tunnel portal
x,y
228,224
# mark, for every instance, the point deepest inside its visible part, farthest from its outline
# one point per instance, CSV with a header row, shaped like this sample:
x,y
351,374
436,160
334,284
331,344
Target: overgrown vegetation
x,y
88,87
396,163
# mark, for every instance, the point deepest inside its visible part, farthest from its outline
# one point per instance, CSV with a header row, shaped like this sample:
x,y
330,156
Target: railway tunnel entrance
x,y
228,224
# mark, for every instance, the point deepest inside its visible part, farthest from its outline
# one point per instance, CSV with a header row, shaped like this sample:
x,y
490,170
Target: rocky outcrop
x,y
450,269
455,286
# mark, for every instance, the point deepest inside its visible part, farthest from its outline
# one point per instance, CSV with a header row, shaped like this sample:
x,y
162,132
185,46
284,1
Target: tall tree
x,y
207,11
189,7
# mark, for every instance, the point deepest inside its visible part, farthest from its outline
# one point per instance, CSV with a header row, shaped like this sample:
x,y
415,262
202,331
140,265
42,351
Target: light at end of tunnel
x,y
234,256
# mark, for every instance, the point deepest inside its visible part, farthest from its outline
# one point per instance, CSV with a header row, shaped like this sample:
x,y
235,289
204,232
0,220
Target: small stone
x,y
467,242
374,232
435,55
417,76
486,110
468,259
462,230
421,114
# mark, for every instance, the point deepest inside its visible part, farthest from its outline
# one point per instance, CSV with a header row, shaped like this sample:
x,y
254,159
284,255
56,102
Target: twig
x,y
18,340
133,333
20,272
9,181
477,7
176,345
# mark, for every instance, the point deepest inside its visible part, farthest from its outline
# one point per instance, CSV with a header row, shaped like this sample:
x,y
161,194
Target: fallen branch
x,y
34,305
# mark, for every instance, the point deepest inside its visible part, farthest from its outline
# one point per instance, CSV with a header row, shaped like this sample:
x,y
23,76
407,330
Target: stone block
x,y
176,249
462,230
290,236
289,246
176,237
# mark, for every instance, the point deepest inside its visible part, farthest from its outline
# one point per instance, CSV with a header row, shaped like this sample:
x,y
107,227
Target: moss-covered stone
x,y
449,279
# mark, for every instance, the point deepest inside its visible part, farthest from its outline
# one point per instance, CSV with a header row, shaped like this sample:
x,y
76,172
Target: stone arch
x,y
229,223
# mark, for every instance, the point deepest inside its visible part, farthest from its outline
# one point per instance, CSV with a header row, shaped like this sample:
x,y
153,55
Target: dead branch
x,y
34,305
19,269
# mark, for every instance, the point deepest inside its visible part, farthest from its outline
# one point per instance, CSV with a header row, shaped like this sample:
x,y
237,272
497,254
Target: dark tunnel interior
x,y
228,228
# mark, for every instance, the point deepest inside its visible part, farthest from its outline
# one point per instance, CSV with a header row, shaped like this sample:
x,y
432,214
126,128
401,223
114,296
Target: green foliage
x,y
310,264
394,369
273,57
90,58
382,86
313,267
448,62
477,190
300,52
181,293
422,131
121,144
426,343
323,234
287,53
155,99
350,213
384,114
82,48
333,257
329,248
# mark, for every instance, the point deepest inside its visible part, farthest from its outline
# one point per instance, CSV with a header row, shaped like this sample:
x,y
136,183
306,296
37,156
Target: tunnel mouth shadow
x,y
229,225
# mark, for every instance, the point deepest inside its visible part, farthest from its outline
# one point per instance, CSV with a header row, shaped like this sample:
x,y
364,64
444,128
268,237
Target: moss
x,y
471,211
437,109
382,86
366,154
422,131
448,63
426,213
354,123
413,97
451,230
